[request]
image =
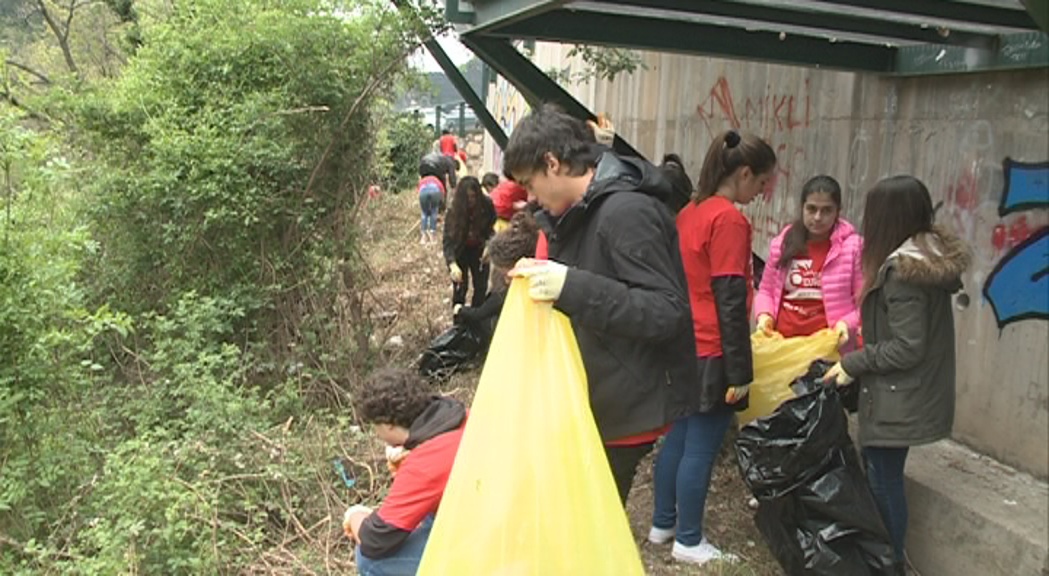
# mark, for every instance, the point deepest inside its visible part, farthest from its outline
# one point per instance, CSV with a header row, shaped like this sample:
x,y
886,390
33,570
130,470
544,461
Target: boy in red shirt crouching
x,y
405,414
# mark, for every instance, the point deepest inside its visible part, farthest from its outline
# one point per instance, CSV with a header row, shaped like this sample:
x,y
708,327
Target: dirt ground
x,y
411,300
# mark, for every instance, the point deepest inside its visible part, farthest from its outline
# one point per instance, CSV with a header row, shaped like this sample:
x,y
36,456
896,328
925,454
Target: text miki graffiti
x,y
1018,287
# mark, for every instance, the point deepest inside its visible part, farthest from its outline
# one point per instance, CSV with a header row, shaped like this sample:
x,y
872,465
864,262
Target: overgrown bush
x,y
403,140
232,153
179,298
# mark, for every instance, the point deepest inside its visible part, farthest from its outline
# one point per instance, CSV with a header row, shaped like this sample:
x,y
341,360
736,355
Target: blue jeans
x,y
683,471
430,203
885,477
405,562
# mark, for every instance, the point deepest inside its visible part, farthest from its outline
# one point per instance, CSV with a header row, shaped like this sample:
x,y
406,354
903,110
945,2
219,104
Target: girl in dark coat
x,y
907,365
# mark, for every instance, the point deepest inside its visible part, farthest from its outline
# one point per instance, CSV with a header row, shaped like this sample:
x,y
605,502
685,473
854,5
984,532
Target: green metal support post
x,y
536,87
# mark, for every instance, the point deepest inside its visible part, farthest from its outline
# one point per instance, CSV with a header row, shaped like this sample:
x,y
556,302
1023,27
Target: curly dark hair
x,y
515,242
393,396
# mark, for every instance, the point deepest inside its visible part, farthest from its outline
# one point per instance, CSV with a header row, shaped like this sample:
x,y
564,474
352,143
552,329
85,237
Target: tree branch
x,y
43,78
7,96
60,35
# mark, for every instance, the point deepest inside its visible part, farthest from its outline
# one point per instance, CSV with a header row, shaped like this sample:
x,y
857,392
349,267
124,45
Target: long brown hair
x,y
897,208
798,236
459,216
729,152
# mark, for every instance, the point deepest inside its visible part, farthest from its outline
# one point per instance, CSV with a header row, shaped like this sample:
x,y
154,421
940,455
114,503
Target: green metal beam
x,y
951,10
455,15
648,33
534,85
1014,51
493,14
786,14
1039,10
467,92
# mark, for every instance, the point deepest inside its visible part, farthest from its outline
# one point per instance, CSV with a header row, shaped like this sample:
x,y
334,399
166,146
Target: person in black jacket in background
x,y
614,269
515,242
468,227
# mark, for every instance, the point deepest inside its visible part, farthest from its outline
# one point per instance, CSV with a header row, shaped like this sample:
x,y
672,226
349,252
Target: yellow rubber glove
x,y
736,393
838,375
546,278
843,333
766,325
455,272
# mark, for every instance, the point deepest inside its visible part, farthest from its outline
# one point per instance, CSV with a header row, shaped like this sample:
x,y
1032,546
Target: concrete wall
x,y
952,132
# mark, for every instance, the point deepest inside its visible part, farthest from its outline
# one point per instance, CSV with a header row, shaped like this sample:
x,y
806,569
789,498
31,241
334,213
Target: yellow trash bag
x,y
531,492
778,362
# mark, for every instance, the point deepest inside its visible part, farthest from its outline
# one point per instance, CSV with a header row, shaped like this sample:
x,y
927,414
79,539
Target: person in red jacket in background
x,y
448,144
424,431
508,197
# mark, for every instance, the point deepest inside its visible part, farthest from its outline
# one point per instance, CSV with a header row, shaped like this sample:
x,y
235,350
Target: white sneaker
x,y
660,535
752,503
701,554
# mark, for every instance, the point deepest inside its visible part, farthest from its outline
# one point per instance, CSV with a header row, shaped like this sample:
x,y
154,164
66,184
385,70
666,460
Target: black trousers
x,y
469,261
624,461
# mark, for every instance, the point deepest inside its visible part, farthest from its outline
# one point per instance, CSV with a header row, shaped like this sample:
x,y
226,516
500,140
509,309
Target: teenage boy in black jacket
x,y
615,270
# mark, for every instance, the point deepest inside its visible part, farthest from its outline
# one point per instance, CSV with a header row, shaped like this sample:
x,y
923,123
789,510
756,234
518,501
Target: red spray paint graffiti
x,y
775,116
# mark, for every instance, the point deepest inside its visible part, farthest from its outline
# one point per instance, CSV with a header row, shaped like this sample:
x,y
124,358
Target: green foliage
x,y
601,62
232,152
402,140
181,300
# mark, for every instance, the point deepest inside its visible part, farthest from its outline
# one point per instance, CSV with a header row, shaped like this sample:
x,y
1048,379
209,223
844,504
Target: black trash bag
x,y
815,509
454,348
813,381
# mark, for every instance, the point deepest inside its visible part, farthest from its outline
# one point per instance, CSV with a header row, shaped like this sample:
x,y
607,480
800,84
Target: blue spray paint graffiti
x,y
1018,287
1026,186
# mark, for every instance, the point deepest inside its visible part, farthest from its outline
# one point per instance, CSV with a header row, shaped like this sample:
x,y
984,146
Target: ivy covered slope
x,y
183,303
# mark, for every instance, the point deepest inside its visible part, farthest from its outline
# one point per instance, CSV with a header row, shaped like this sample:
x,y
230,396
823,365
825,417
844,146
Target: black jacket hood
x,y
619,174
613,174
442,415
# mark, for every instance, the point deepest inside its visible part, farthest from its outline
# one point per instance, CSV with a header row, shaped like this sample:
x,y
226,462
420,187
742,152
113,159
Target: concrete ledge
x,y
970,515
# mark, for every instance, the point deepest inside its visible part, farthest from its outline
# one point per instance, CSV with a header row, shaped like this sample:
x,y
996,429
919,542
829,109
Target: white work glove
x,y
394,456
606,135
843,333
766,325
838,375
350,513
736,393
546,278
455,272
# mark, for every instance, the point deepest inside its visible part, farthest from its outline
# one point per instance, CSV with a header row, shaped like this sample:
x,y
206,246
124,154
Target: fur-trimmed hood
x,y
937,258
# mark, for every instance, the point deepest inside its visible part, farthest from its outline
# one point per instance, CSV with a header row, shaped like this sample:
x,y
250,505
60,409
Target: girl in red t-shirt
x,y
814,280
715,240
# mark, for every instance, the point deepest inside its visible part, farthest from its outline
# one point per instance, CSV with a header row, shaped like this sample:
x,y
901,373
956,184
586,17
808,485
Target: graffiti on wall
x,y
783,116
508,106
1018,286
775,116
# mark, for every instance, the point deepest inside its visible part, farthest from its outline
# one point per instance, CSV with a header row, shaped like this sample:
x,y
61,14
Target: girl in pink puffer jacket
x,y
813,279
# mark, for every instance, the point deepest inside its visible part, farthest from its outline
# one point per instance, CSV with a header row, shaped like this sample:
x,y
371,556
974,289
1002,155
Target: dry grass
x,y
413,295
